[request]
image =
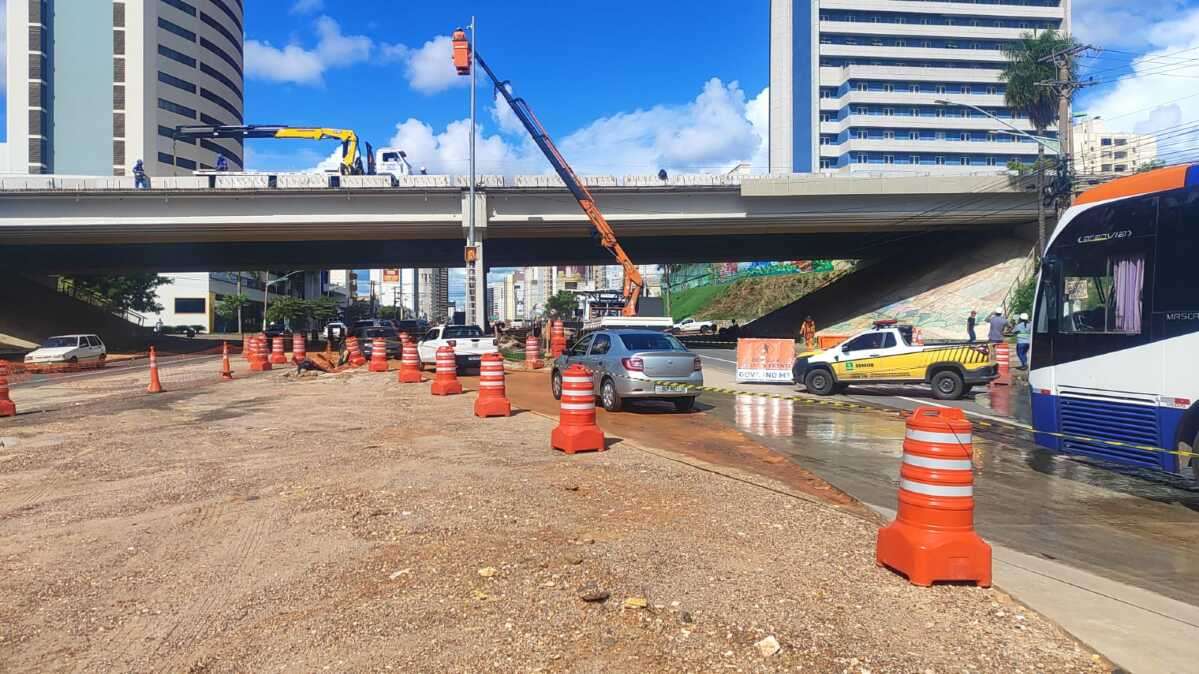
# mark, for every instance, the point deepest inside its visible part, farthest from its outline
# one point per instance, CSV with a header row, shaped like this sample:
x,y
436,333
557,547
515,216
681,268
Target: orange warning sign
x,y
765,360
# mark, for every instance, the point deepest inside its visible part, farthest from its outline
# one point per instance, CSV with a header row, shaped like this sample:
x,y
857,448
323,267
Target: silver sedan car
x,y
634,364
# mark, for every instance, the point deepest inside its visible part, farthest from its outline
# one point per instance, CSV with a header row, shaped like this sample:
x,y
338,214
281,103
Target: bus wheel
x,y
1194,459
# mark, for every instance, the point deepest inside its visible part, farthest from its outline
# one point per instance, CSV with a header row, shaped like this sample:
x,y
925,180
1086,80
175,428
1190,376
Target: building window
x,y
181,6
991,161
940,160
914,159
964,161
940,135
826,140
1121,155
216,25
901,43
1105,141
1121,168
859,110
1121,142
828,116
176,29
915,88
965,88
913,135
220,151
964,136
176,82
168,132
190,305
228,12
859,158
889,135
827,163
862,134
888,159
205,43
210,96
181,162
992,91
940,88
216,75
183,110
888,112
1106,168
862,86
176,56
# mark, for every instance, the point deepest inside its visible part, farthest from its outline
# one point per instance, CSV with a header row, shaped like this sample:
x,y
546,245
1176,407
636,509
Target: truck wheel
x,y
609,398
556,385
820,382
948,385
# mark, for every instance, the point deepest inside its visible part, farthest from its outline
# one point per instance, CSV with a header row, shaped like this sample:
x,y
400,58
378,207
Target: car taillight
x,y
633,364
452,342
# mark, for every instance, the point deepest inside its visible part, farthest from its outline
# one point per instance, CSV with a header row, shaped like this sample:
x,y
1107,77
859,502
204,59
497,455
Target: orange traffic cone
x,y
226,372
155,385
492,401
410,364
7,407
378,355
577,430
932,538
445,382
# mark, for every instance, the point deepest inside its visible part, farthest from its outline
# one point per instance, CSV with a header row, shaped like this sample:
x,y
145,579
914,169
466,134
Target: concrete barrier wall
x,y
483,181
301,181
179,183
423,181
366,182
243,182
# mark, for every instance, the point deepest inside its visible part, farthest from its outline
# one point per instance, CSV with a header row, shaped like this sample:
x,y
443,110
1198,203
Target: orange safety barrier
x,y
445,382
260,360
557,339
824,342
226,371
492,400
1003,354
249,348
533,353
299,347
277,351
155,385
7,407
932,538
356,357
409,363
378,355
577,430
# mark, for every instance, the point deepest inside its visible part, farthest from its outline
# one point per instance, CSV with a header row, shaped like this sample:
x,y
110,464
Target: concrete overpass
x,y
100,225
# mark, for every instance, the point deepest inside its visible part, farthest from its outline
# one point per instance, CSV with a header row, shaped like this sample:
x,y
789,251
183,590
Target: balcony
x,y
836,76
912,53
919,30
946,8
901,97
907,122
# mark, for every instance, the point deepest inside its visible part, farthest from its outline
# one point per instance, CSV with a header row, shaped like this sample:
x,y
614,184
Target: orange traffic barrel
x,y
409,363
299,347
577,430
533,353
378,355
155,385
226,371
260,360
1003,355
277,352
492,400
932,538
557,339
445,382
7,407
355,349
248,347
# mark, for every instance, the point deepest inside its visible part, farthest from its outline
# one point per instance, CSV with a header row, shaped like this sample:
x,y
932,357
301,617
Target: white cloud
x,y
431,67
1106,23
1155,98
307,6
298,65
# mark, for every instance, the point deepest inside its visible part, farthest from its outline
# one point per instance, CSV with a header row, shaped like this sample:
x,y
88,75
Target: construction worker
x,y
222,164
140,181
807,332
998,326
1023,339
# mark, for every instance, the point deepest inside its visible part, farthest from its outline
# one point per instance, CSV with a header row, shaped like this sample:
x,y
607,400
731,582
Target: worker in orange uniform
x,y
807,332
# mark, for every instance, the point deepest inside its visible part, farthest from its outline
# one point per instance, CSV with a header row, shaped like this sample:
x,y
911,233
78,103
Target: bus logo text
x,y
1110,236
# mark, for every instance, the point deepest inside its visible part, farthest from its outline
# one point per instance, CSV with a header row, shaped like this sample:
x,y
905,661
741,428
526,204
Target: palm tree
x,y
1029,63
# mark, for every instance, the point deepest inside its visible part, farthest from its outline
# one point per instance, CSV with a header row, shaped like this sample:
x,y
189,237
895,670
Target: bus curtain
x,y
1129,280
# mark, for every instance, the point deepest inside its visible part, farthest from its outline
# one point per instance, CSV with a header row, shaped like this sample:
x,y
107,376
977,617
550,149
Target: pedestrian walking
x,y
140,180
807,331
998,324
1023,340
971,321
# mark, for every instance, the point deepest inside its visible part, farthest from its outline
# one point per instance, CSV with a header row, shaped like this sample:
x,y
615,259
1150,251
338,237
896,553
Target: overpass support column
x,y
476,269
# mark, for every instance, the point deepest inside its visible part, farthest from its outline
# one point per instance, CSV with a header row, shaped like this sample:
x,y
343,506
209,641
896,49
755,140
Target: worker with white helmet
x,y
1023,340
998,324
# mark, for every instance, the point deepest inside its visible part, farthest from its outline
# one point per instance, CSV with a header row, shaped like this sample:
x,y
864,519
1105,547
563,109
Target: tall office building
x,y
102,83
434,293
855,84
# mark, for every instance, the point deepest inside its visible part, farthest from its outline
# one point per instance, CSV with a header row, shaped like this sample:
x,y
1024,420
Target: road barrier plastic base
x,y
493,407
447,388
926,557
575,439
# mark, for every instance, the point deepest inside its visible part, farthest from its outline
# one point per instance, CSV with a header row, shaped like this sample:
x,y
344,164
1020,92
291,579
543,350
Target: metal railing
x,y
71,289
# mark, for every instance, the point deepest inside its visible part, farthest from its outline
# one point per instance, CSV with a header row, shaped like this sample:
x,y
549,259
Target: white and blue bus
x,y
1115,347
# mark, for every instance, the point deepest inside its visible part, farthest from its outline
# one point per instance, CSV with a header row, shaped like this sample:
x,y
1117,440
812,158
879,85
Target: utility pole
x,y
474,312
1064,86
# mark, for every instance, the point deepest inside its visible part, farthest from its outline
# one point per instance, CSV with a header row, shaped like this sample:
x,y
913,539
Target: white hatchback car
x,y
68,349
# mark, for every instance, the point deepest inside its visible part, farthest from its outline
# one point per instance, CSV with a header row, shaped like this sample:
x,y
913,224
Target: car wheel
x,y
820,382
609,398
73,360
684,404
706,330
948,385
556,385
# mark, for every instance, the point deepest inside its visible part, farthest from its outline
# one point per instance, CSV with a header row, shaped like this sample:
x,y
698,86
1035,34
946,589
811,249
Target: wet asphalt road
x,y
1133,526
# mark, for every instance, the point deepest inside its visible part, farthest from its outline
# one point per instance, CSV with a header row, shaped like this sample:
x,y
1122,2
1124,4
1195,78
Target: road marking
x,y
998,420
733,362
924,402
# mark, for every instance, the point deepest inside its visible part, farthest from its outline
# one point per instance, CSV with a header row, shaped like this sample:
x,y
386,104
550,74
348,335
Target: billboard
x,y
765,360
391,275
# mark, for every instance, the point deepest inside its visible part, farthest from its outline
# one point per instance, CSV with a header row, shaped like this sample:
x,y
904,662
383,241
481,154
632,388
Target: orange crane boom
x,y
633,282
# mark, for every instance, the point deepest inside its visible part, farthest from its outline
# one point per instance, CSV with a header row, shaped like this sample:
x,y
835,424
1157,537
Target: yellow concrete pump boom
x,y
351,162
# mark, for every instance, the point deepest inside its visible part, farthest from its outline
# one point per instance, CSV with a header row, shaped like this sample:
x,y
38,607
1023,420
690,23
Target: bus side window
x,y
1176,285
1046,299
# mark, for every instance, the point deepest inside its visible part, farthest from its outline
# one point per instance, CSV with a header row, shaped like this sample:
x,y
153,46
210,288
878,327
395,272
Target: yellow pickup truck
x,y
890,353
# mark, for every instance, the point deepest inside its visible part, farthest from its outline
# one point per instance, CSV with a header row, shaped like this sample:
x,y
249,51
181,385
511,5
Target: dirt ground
x,y
350,523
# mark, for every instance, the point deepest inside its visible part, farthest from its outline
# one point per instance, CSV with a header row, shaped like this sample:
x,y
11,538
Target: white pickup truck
x,y
689,326
468,341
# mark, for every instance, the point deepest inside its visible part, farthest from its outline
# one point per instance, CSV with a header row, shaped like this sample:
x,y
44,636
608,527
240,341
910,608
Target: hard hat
x,y
1024,317
999,311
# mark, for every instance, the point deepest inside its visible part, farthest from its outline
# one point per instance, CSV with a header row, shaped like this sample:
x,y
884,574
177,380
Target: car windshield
x,y
59,342
651,341
377,332
463,331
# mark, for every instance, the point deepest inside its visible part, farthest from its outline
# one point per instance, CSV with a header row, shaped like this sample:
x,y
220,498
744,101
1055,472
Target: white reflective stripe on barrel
x,y
491,384
935,489
942,464
577,380
578,392
578,406
943,438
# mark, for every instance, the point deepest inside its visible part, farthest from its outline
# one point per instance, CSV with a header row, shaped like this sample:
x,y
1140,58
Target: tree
x,y
137,292
357,310
1029,63
563,304
231,306
286,309
322,309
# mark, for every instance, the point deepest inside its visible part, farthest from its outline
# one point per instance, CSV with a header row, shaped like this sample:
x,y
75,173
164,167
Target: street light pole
x,y
472,310
266,294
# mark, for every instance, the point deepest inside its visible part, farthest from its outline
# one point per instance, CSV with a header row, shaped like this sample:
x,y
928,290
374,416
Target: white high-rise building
x,y
95,85
1099,151
886,85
